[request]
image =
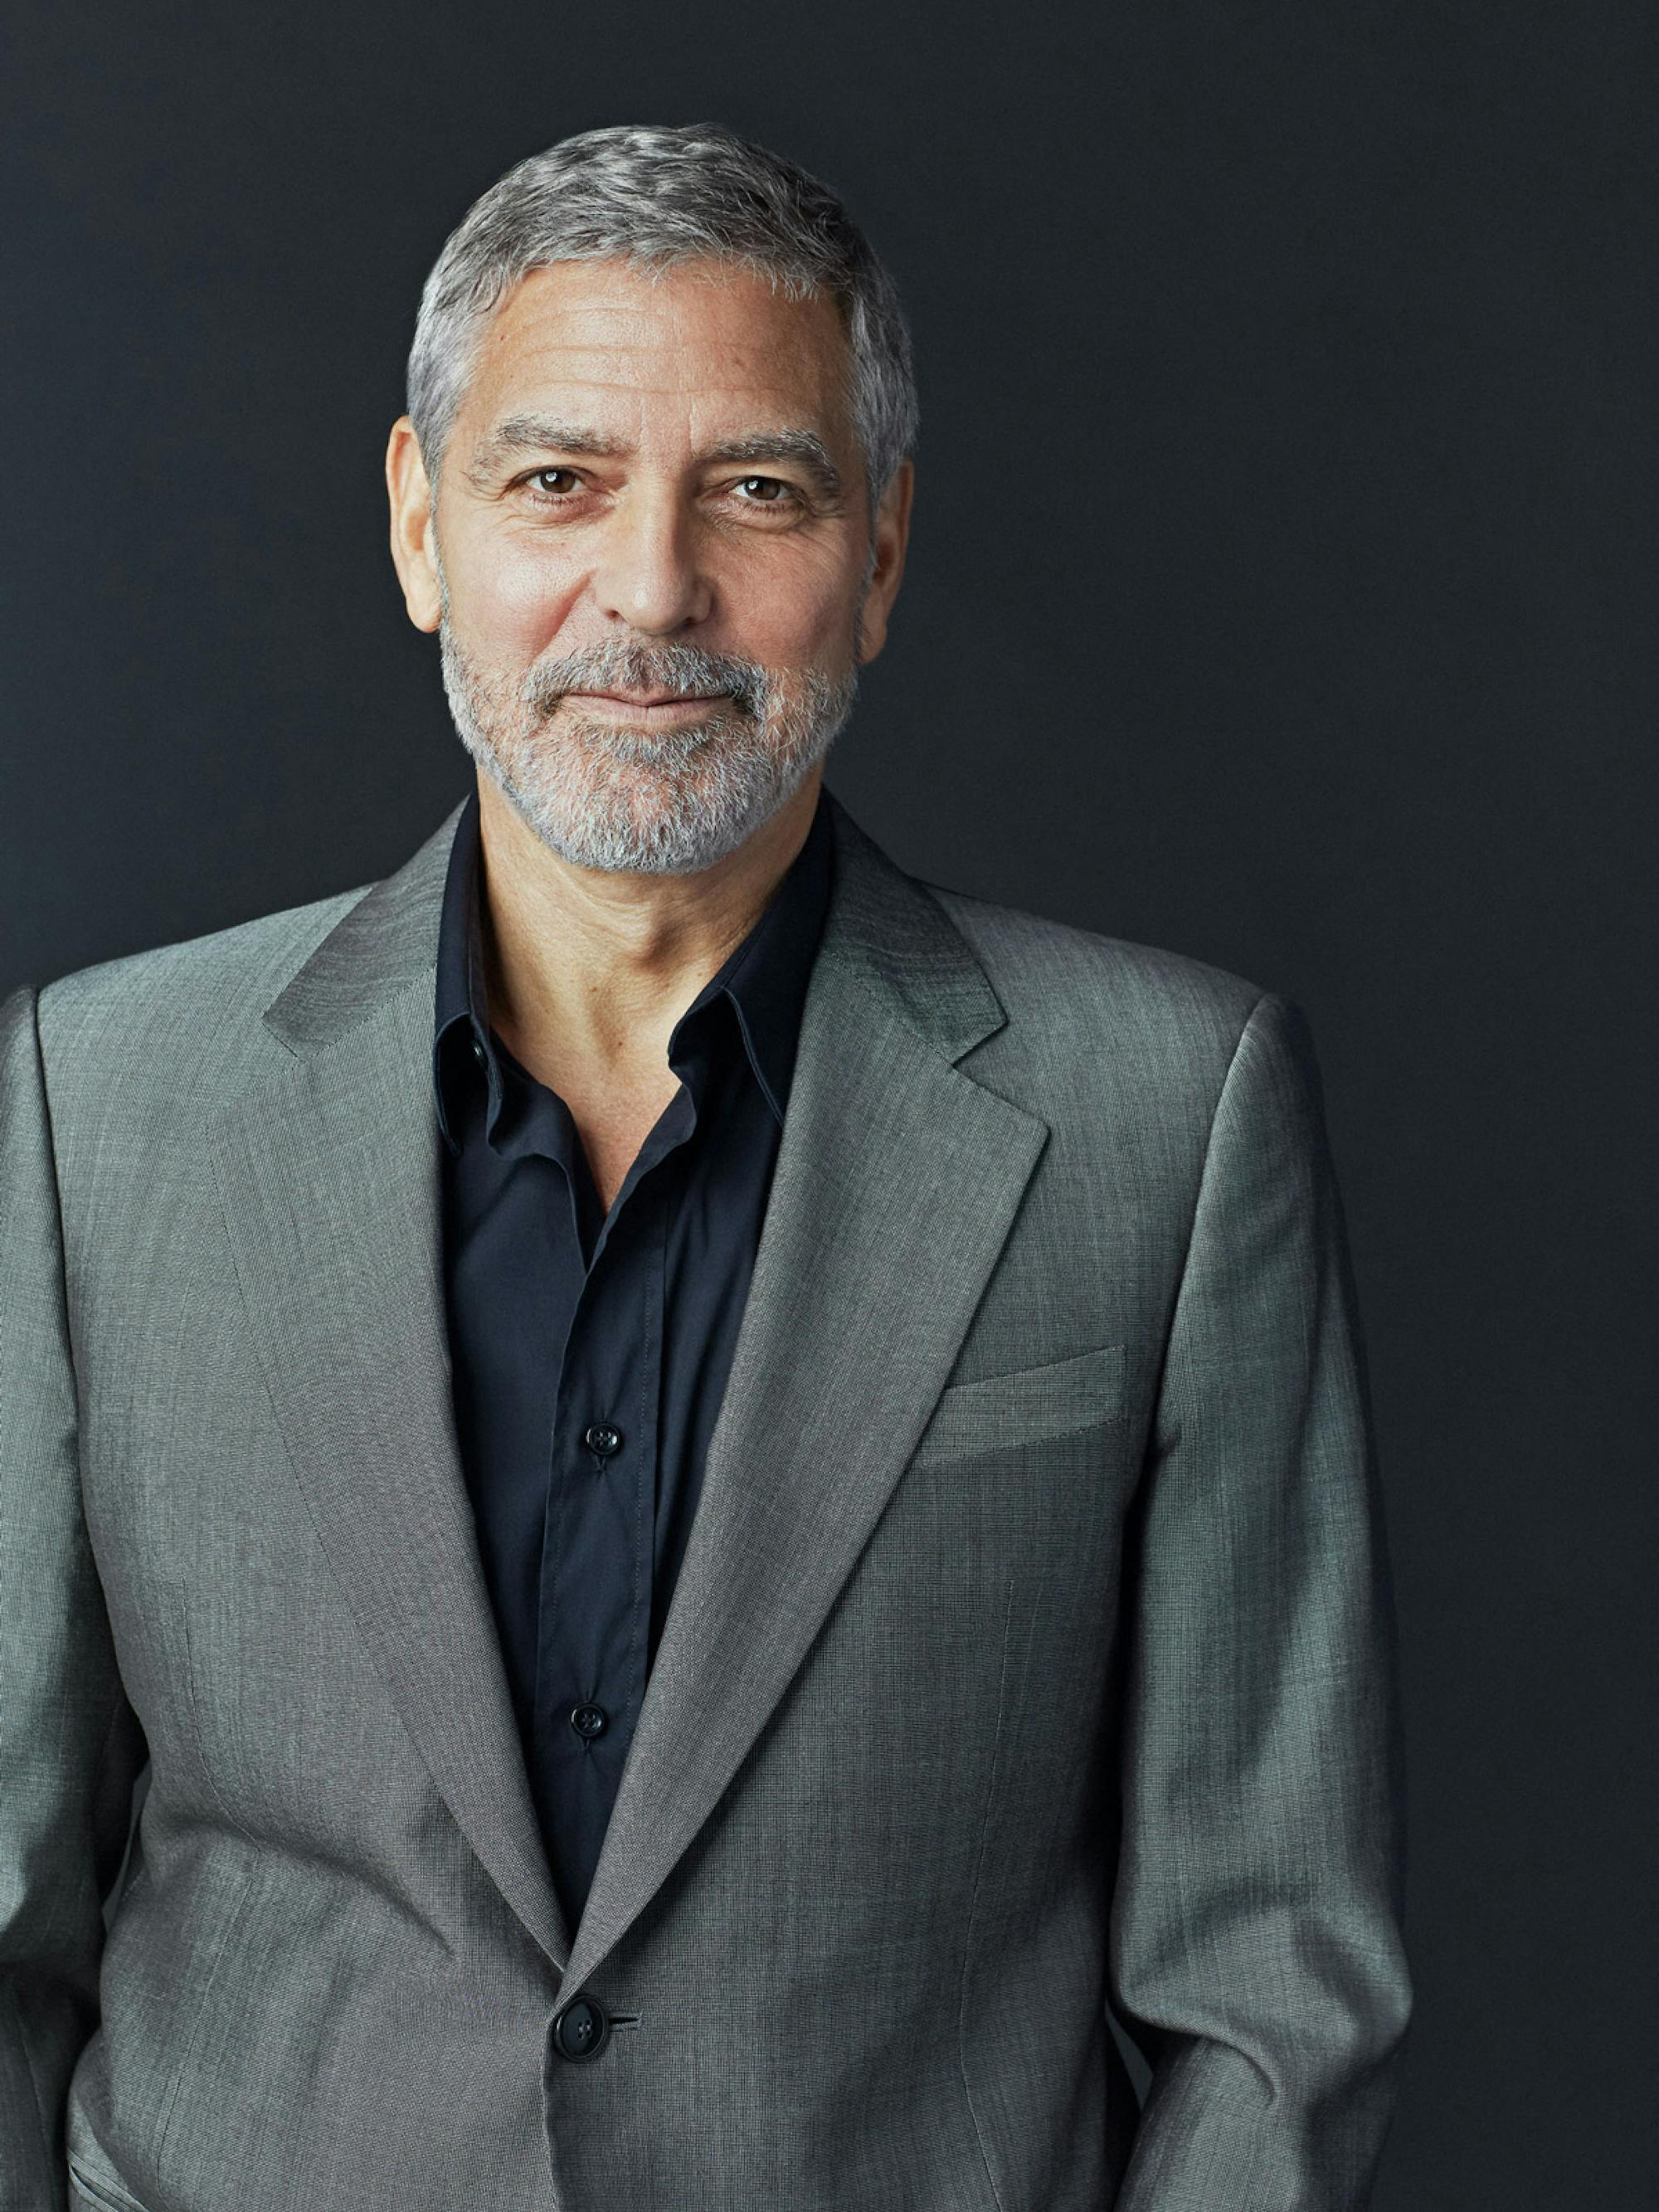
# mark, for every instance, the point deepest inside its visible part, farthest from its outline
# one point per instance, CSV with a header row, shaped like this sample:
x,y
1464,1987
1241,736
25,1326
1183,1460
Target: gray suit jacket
x,y
1033,1650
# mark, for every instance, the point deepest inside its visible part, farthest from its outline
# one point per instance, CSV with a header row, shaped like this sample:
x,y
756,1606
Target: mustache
x,y
686,671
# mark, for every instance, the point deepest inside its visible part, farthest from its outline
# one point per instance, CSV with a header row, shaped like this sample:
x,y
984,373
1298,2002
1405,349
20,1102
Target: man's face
x,y
650,562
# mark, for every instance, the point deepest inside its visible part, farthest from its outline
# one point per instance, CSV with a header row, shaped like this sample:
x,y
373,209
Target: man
x,y
729,1492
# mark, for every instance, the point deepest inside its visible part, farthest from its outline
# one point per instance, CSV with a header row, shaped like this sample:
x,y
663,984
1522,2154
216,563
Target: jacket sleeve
x,y
1256,1948
70,1747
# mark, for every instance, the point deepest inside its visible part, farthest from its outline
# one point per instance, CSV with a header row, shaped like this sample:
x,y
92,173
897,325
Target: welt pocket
x,y
998,1412
98,2193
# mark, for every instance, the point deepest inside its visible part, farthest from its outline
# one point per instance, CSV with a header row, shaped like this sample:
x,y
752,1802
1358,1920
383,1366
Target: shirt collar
x,y
764,979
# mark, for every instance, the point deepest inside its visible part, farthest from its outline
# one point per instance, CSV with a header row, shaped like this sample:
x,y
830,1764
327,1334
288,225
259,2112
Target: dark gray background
x,y
1282,591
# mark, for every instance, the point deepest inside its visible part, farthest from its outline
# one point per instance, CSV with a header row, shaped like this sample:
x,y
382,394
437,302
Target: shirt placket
x,y
597,1545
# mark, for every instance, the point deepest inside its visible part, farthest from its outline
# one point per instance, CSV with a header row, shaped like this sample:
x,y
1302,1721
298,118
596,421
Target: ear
x,y
892,535
411,496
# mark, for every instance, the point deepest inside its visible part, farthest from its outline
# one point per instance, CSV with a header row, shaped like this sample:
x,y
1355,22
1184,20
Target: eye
x,y
765,491
554,490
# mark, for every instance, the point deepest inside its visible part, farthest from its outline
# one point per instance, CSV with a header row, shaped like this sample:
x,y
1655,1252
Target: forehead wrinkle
x,y
585,332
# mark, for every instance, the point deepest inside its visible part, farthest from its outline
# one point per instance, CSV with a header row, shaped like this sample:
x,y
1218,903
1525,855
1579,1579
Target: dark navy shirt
x,y
591,1350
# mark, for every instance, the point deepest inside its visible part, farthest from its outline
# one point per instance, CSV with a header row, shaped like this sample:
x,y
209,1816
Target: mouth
x,y
651,703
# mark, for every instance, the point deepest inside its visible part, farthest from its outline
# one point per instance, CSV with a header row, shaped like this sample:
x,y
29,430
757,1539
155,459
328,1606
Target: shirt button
x,y
580,2031
588,1721
602,1438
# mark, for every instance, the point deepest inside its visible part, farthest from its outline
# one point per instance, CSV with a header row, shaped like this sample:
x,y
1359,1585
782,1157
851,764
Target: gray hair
x,y
654,196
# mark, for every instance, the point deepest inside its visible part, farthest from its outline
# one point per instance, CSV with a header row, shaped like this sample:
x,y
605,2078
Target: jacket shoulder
x,y
173,1004
1057,975
1124,1049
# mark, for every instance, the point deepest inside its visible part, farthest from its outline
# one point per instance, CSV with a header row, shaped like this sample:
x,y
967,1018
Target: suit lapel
x,y
328,1174
896,1181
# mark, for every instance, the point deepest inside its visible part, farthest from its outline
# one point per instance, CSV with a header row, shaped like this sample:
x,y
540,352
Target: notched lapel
x,y
329,1172
898,1180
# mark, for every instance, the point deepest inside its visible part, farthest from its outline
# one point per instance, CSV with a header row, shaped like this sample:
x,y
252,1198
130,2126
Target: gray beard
x,y
654,802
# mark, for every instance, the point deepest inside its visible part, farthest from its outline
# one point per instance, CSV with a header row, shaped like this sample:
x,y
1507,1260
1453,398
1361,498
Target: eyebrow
x,y
803,445
523,434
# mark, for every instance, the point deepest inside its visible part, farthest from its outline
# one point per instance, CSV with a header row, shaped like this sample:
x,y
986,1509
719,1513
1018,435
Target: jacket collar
x,y
880,921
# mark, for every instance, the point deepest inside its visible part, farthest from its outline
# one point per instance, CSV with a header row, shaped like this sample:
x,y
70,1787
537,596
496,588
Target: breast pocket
x,y
1030,1406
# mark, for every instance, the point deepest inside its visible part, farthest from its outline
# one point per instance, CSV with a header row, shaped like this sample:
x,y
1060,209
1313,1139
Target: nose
x,y
650,575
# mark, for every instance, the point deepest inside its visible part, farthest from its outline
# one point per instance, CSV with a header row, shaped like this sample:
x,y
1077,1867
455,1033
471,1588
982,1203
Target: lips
x,y
651,698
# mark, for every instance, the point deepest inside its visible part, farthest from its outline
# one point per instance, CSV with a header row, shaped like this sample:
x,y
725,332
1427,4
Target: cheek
x,y
516,599
800,613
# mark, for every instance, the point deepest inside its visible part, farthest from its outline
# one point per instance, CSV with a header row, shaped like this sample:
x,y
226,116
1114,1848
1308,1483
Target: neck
x,y
588,969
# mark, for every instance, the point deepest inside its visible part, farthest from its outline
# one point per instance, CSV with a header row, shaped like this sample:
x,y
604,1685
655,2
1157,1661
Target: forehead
x,y
705,343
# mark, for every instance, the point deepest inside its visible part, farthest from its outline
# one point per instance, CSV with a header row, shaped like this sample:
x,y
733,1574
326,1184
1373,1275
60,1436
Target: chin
x,y
643,822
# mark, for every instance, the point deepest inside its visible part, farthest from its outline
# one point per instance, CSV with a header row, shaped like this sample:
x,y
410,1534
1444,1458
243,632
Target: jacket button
x,y
581,2031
